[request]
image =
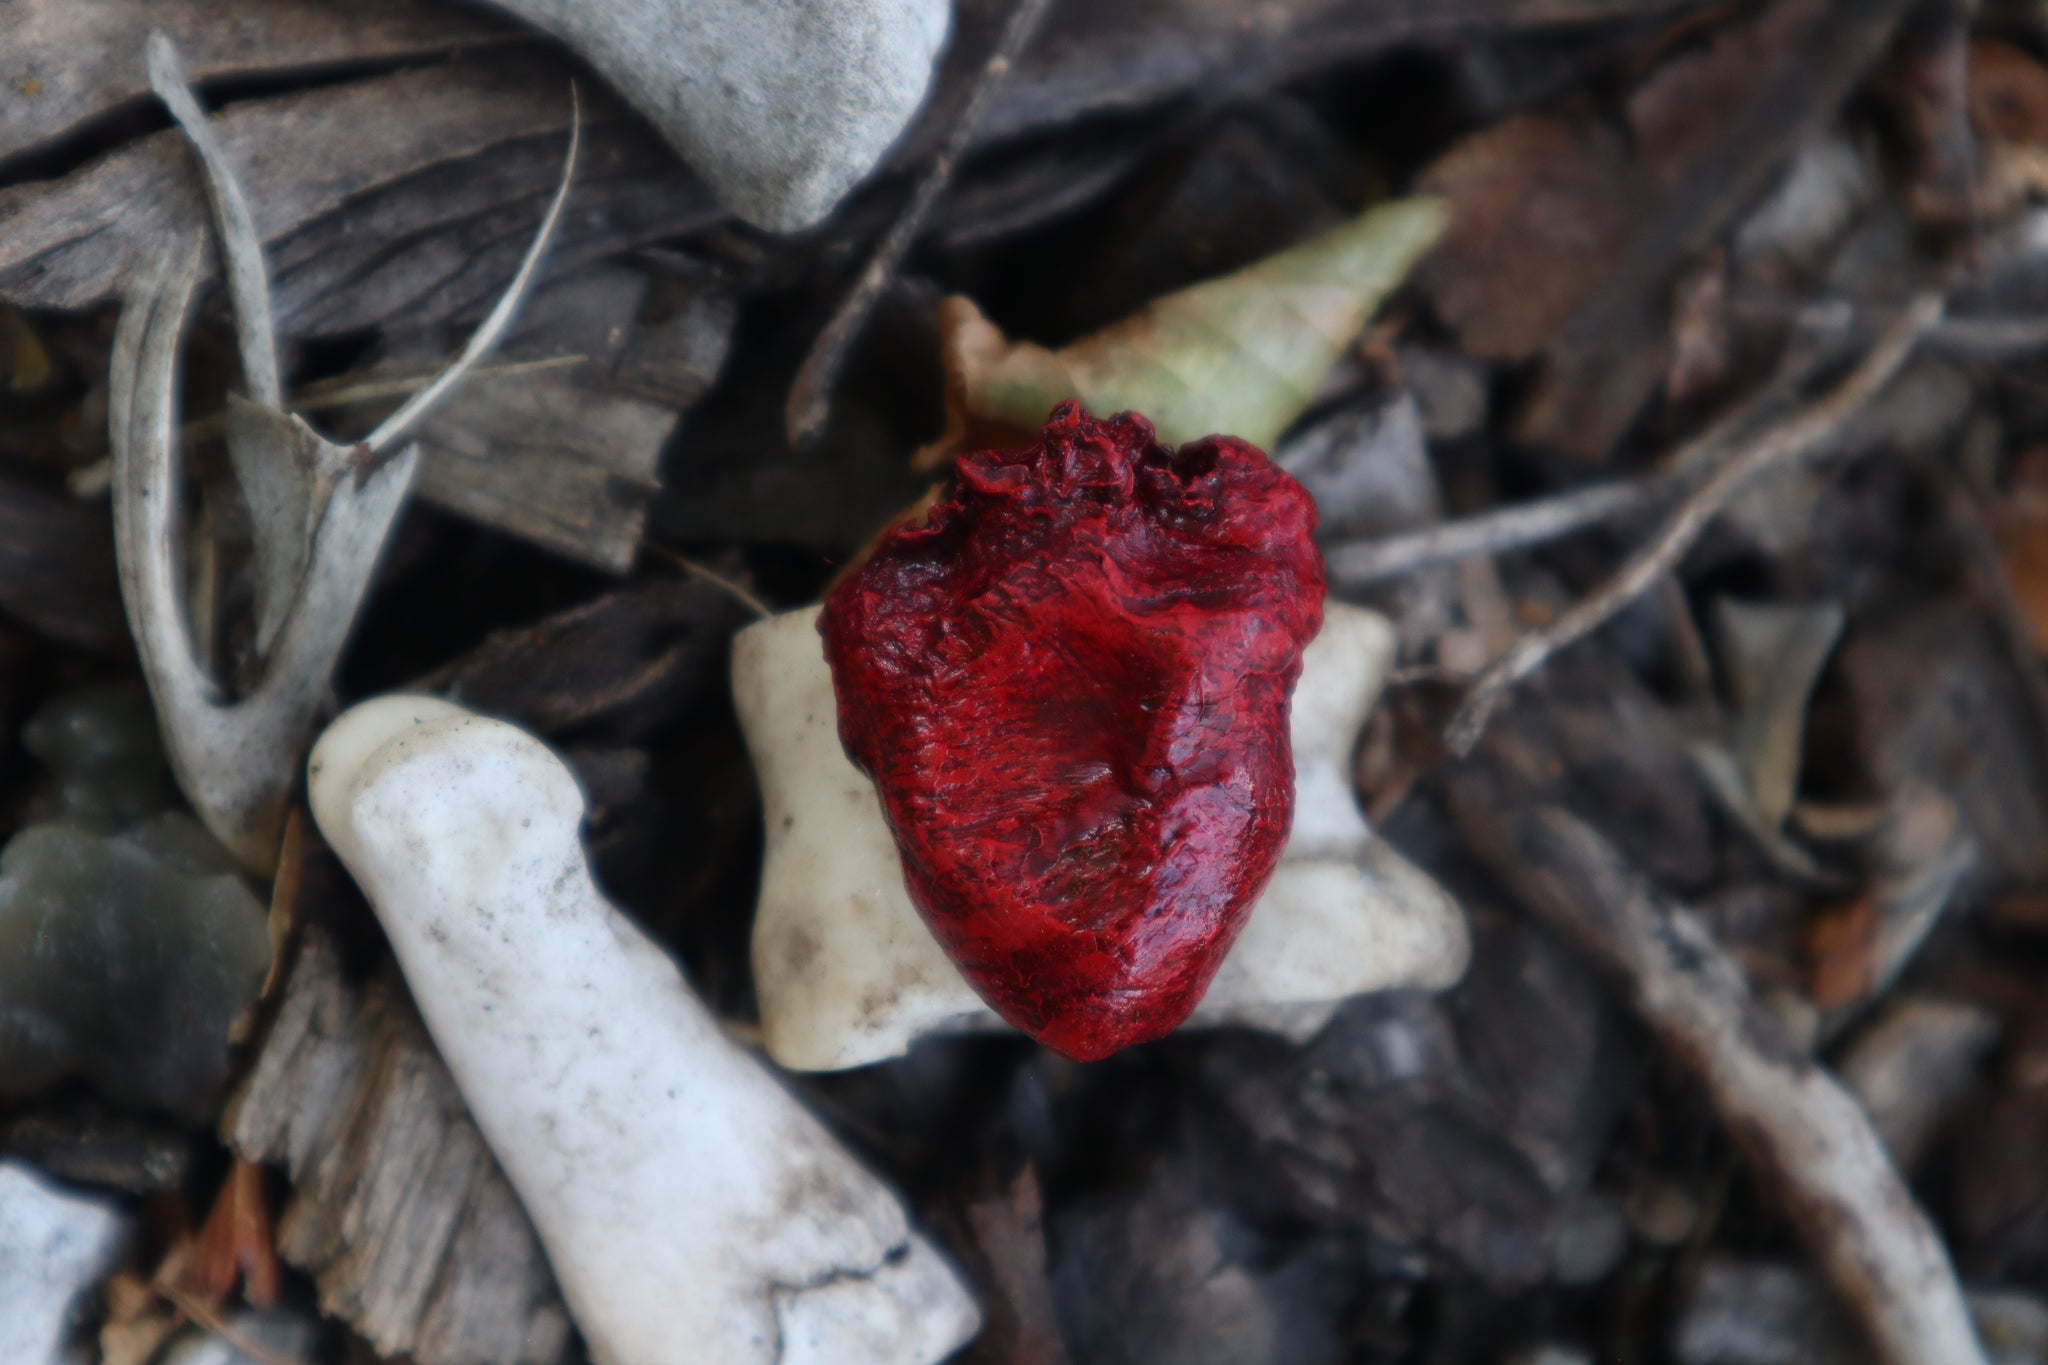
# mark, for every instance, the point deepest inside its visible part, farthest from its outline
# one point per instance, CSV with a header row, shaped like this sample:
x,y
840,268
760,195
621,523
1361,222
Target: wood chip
x,y
397,1210
67,65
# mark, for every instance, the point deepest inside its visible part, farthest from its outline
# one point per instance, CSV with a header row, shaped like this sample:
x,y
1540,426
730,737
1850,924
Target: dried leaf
x,y
235,1245
1841,944
1241,355
2020,524
1116,57
57,568
235,748
2008,93
1008,1261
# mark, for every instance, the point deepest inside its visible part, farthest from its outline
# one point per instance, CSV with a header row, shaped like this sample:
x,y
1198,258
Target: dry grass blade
x,y
493,328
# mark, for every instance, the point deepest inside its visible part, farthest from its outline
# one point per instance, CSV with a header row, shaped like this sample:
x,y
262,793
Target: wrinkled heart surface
x,y
1071,688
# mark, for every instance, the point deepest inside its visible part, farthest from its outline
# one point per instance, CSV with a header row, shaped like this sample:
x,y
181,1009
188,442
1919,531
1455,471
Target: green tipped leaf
x,y
1241,355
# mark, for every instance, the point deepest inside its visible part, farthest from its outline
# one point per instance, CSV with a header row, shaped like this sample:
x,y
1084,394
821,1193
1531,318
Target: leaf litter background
x,y
1821,727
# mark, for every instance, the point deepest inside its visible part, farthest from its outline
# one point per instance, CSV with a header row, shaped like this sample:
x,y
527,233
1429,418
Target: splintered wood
x,y
397,1210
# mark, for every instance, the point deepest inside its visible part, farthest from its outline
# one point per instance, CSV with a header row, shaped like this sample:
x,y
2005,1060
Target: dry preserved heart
x,y
1071,688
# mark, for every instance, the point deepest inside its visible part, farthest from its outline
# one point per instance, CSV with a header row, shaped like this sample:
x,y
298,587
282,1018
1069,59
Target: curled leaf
x,y
1240,355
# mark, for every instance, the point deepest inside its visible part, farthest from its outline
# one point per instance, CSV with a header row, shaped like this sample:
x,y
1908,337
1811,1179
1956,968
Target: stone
x,y
55,1247
783,106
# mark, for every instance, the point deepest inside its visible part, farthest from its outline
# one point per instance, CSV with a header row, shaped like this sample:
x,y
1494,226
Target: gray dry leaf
x,y
235,744
783,106
1771,656
397,1210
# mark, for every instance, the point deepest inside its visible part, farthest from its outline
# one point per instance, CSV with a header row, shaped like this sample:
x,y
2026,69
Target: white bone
x,y
691,1208
847,973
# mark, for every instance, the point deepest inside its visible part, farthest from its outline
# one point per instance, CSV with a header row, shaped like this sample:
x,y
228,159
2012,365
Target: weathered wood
x,y
398,1210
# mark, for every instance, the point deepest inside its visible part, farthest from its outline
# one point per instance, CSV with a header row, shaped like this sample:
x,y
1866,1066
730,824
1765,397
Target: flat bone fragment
x,y
691,1208
783,106
847,974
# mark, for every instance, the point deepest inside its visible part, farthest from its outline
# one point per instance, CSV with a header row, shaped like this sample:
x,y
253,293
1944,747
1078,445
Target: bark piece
x,y
398,1209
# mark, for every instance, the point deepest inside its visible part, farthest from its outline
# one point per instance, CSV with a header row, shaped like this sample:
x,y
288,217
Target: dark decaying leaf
x,y
1936,706
1112,57
1567,227
1468,1127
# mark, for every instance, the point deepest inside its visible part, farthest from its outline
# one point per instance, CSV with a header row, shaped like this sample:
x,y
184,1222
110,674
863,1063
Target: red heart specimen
x,y
1071,688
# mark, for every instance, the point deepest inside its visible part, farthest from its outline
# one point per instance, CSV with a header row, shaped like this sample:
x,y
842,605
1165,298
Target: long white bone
x,y
847,973
691,1208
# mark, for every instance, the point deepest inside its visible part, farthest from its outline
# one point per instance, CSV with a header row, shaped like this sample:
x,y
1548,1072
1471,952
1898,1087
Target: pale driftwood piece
x,y
397,1210
691,1208
1803,1133
235,753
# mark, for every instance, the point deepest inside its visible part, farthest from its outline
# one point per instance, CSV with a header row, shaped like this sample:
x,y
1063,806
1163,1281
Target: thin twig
x,y
713,577
1803,1134
195,1308
346,391
1359,564
810,395
1777,444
